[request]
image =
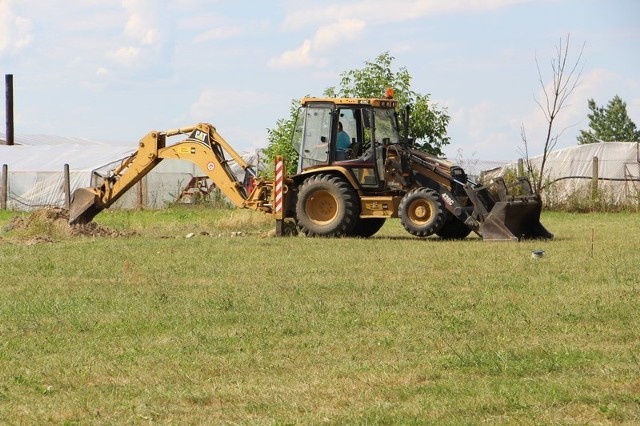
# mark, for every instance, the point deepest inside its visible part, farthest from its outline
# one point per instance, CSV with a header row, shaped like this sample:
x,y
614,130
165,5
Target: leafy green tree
x,y
279,141
428,124
609,124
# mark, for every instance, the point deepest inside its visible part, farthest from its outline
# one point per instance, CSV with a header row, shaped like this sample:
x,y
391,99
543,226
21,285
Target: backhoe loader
x,y
340,189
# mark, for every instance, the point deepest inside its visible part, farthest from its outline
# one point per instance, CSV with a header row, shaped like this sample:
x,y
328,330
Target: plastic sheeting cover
x,y
570,170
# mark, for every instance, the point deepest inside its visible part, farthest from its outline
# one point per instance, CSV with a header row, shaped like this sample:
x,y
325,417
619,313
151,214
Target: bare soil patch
x,y
47,222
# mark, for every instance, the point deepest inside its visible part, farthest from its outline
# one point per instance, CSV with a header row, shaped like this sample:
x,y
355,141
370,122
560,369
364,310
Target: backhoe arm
x,y
203,146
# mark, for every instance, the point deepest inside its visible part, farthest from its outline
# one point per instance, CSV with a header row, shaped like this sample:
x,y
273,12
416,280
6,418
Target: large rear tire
x,y
453,229
367,227
327,206
421,212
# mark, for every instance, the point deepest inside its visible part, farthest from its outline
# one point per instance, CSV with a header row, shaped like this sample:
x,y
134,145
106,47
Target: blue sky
x,y
112,70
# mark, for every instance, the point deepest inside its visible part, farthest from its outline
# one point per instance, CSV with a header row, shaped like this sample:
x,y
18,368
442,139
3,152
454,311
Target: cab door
x,y
312,135
367,166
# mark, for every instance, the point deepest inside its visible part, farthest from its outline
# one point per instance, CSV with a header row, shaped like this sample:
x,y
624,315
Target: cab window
x,y
315,133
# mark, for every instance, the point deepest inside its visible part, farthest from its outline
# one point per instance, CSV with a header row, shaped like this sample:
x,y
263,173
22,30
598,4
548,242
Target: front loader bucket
x,y
514,220
84,206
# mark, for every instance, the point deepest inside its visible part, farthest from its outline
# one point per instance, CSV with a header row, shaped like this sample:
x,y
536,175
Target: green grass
x,y
159,328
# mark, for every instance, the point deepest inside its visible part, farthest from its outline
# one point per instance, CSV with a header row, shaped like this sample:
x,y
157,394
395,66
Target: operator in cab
x,y
343,143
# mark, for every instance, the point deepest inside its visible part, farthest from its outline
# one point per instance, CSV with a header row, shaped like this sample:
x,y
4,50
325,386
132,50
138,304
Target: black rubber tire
x,y
367,227
421,212
453,229
327,206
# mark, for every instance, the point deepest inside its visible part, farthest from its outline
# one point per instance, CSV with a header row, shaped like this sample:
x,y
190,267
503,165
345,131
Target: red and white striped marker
x,y
279,184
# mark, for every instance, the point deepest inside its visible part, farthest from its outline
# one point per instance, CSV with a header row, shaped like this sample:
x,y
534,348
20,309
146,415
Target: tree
x,y
428,124
609,124
279,141
565,79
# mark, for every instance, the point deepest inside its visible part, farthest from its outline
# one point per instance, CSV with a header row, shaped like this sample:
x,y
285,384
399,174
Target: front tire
x,y
327,206
421,212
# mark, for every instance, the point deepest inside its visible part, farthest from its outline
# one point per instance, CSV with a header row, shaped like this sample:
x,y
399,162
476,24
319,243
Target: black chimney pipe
x,y
8,78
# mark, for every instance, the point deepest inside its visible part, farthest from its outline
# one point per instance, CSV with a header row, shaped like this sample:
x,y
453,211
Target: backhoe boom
x,y
203,146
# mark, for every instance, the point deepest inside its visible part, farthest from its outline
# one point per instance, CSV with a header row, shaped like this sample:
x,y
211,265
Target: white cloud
x,y
219,33
214,102
380,11
353,17
325,38
138,29
141,23
142,40
328,36
125,56
15,31
296,58
216,27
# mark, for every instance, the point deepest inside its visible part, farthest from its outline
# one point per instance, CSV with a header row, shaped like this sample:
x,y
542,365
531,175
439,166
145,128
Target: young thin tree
x,y
565,79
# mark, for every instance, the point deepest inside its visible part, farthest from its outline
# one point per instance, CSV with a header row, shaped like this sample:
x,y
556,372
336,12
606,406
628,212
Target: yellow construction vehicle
x,y
355,171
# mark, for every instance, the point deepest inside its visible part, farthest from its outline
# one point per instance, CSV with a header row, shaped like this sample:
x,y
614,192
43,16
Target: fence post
x,y
142,193
594,180
145,192
4,187
67,188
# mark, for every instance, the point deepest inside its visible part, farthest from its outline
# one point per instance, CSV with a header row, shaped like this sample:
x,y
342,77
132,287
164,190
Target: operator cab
x,y
369,124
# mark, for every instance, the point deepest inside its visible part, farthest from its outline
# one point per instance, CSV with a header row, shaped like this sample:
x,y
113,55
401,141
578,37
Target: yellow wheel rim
x,y
421,212
321,207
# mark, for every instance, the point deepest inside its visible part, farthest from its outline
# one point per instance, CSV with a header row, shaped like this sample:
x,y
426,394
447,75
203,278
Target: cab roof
x,y
374,102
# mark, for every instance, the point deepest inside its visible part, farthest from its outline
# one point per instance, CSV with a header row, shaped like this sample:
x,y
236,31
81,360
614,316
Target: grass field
x,y
156,328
